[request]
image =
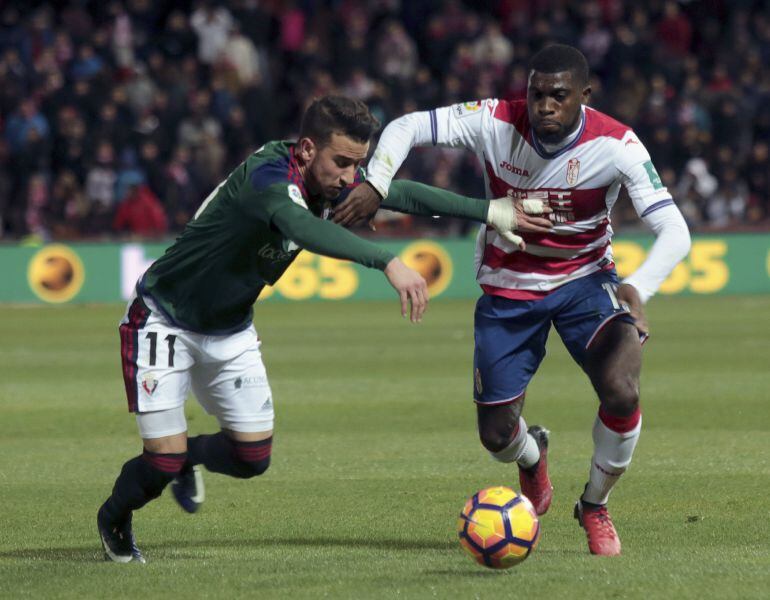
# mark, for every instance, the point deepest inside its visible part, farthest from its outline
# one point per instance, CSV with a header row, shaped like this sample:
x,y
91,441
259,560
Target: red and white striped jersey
x,y
580,180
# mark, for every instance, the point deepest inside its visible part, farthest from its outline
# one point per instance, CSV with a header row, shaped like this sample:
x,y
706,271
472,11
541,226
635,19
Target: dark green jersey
x,y
249,230
244,236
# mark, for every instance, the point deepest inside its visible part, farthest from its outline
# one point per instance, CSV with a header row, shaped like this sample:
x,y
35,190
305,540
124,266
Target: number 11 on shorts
x,y
610,289
170,339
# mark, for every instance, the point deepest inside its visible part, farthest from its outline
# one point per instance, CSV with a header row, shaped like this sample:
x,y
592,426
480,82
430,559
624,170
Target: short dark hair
x,y
338,114
559,58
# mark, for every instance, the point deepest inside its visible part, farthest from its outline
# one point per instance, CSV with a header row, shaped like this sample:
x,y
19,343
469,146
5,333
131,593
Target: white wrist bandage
x,y
502,216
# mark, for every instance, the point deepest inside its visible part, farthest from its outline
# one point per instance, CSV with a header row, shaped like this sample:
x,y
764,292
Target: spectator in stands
x,y
212,24
396,54
100,187
140,213
188,89
27,118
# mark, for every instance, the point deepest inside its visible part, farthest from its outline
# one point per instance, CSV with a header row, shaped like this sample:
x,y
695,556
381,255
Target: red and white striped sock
x,y
614,442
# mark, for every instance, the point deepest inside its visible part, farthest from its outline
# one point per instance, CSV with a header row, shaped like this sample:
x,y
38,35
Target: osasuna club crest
x,y
149,383
573,170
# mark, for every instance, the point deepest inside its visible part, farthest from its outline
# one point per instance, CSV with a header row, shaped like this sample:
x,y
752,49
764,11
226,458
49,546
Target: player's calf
x,y
252,458
528,448
141,480
221,454
615,439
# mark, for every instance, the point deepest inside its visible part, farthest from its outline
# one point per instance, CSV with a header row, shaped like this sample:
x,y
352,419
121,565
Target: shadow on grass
x,y
79,554
178,548
474,571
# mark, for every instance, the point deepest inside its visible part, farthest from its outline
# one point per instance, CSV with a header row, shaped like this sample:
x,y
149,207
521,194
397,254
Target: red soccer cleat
x,y
603,540
535,484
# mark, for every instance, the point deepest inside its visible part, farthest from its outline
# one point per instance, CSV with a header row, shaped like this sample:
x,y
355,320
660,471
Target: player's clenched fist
x,y
411,287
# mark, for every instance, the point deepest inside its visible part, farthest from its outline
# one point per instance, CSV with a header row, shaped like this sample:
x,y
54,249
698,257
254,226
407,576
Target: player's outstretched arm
x,y
326,238
507,215
459,125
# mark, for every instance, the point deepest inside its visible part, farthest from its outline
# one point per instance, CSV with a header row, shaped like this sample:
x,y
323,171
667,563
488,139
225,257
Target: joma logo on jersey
x,y
559,201
515,170
275,255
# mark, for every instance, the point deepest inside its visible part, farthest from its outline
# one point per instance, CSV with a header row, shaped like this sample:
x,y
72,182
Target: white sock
x,y
523,448
612,455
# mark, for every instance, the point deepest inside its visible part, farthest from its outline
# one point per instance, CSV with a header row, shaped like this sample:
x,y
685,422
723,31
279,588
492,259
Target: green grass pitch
x,y
375,453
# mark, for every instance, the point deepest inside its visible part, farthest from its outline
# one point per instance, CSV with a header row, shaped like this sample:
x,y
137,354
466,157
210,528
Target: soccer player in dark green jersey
x,y
189,324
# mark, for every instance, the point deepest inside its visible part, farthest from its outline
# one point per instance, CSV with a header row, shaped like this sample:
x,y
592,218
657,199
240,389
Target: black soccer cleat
x,y
118,540
188,489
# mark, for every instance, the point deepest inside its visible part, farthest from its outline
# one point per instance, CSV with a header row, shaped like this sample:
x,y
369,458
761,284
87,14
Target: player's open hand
x,y
411,288
359,207
628,295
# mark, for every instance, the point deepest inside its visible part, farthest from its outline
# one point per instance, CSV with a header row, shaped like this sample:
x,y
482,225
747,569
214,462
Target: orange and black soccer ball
x,y
498,527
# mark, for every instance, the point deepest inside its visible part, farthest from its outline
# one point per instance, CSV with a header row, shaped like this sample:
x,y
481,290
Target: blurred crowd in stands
x,y
120,116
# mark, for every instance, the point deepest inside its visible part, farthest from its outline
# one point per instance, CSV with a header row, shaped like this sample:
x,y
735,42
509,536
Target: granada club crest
x,y
573,170
149,383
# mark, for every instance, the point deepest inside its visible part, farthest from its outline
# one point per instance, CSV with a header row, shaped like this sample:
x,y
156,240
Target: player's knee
x,y
253,458
620,395
496,436
494,441
498,425
249,469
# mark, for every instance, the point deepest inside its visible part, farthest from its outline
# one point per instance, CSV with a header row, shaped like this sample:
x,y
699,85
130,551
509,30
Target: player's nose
x,y
545,107
348,176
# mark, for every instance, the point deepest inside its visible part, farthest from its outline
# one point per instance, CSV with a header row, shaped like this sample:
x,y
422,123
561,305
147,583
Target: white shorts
x,y
161,363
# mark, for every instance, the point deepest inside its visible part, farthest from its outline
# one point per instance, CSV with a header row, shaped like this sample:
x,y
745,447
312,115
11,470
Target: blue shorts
x,y
511,334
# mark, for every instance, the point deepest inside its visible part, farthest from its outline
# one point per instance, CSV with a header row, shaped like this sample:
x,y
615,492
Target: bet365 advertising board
x,y
82,273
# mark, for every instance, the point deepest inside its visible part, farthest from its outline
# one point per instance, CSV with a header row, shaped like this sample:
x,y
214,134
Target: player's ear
x,y
586,94
306,150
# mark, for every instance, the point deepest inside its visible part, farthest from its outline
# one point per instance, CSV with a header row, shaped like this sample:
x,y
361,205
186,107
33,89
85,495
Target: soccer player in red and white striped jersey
x,y
574,159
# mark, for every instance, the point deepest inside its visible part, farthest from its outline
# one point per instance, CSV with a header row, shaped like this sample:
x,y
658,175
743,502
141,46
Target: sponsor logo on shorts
x,y
149,383
250,382
479,386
